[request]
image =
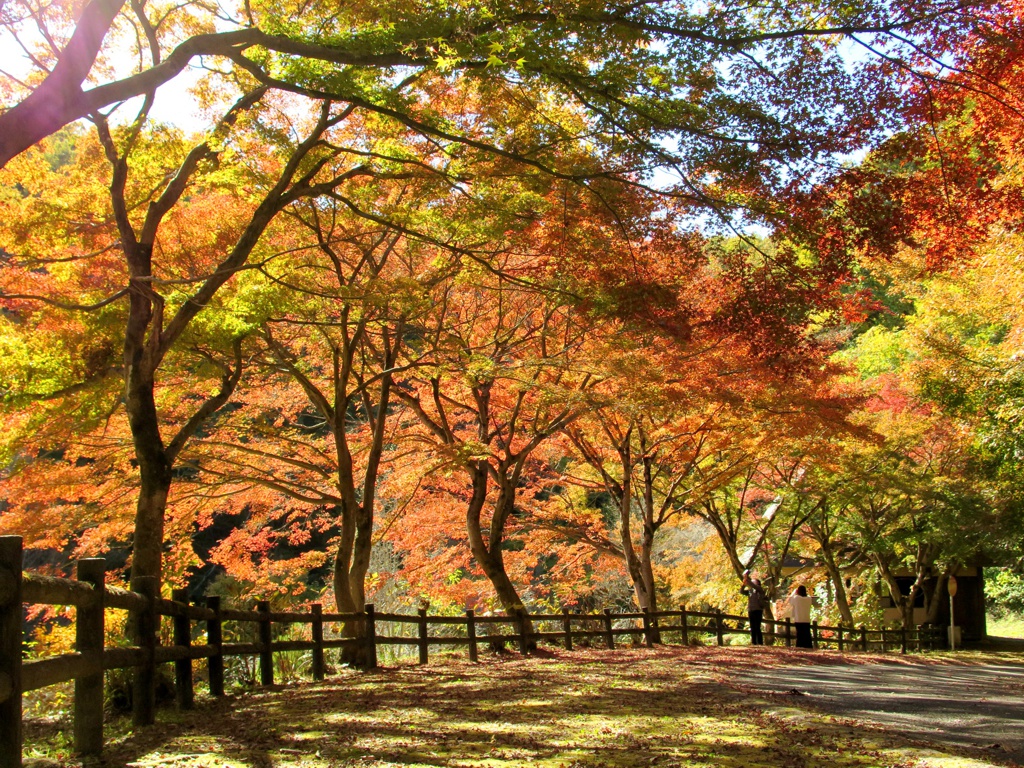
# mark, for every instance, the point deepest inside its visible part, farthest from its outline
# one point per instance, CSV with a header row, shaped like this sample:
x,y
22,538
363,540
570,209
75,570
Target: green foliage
x,y
1004,592
478,132
877,351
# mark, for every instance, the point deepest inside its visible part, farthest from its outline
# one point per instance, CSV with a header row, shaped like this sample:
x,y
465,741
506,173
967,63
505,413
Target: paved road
x,y
978,706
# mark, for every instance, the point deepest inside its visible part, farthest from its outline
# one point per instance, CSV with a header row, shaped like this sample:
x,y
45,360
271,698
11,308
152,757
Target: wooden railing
x,y
91,657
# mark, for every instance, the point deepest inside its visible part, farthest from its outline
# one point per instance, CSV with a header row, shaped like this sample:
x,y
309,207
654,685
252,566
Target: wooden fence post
x,y
903,640
146,623
789,638
88,725
684,633
885,641
609,638
265,638
371,637
839,632
471,633
814,634
524,640
215,637
11,618
183,696
567,628
317,629
648,634
719,636
864,638
920,629
423,635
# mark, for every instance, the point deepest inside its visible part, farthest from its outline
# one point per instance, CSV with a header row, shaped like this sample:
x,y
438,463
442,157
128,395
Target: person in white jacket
x,y
800,614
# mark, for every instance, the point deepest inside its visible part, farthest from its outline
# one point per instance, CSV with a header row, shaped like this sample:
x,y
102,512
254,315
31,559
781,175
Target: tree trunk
x,y
148,539
488,554
363,544
934,599
344,598
842,601
144,422
647,542
904,603
57,100
821,531
636,566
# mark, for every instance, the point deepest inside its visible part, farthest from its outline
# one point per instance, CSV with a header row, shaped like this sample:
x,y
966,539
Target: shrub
x,y
1005,592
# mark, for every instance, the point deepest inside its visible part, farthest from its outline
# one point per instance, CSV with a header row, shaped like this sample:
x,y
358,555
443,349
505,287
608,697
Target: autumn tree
x,y
334,318
933,217
726,98
167,288
502,384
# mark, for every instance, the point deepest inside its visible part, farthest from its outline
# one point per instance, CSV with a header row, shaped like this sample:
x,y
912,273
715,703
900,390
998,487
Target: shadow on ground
x,y
978,705
591,708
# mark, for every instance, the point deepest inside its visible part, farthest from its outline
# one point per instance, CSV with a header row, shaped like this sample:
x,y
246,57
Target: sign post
x,y
951,588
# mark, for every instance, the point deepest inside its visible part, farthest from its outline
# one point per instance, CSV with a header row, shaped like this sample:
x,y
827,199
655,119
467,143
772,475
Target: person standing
x,y
755,607
800,613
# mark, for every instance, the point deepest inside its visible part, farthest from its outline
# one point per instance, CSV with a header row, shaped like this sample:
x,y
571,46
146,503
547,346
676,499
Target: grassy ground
x,y
628,708
1007,626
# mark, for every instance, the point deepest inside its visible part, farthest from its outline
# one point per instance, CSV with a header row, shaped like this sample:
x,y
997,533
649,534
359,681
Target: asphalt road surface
x,y
977,706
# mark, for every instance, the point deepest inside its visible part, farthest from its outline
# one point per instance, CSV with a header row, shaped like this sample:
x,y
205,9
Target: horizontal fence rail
x,y
362,634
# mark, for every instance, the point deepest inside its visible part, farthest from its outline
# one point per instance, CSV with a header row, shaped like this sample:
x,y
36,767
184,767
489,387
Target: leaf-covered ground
x,y
630,707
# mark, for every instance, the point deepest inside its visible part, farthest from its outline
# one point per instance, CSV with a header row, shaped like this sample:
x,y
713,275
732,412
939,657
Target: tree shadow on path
x,y
979,705
588,708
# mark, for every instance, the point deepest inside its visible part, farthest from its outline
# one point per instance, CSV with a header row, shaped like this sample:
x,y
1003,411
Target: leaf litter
x,y
628,708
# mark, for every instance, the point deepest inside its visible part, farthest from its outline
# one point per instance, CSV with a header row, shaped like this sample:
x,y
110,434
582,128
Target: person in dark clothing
x,y
755,607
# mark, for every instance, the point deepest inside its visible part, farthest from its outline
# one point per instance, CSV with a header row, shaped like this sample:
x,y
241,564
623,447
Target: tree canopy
x,y
516,303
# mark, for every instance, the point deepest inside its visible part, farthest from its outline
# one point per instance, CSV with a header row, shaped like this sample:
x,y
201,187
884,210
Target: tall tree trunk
x,y
363,545
488,553
647,543
634,564
344,598
647,572
348,511
140,404
637,565
150,509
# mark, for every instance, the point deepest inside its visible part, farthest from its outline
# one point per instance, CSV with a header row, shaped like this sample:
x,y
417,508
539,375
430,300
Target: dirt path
x,y
974,706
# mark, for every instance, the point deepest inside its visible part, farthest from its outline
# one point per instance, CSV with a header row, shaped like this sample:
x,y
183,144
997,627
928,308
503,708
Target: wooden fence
x,y
92,599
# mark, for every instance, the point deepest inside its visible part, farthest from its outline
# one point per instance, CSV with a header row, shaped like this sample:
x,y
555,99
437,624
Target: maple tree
x,y
469,252
501,385
335,320
931,219
707,92
146,192
710,342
